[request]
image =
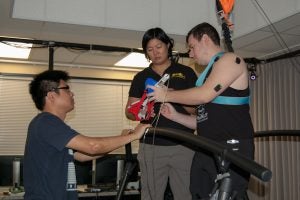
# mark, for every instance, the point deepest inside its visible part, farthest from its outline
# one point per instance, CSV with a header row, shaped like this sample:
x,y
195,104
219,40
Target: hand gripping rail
x,y
246,164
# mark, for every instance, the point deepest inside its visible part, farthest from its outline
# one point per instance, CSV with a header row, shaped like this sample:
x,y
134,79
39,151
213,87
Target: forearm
x,y
190,109
192,96
108,144
94,146
81,157
101,145
186,120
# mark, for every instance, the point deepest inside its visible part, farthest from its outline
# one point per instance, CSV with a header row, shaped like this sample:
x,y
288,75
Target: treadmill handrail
x,y
241,161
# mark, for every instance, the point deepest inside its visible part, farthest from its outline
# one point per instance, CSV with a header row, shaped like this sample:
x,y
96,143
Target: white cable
x,y
156,119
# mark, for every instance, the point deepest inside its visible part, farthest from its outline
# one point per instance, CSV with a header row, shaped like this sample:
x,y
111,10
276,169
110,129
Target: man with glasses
x,y
52,145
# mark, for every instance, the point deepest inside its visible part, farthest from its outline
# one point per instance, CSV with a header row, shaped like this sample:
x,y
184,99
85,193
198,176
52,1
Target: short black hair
x,y
204,28
43,83
157,33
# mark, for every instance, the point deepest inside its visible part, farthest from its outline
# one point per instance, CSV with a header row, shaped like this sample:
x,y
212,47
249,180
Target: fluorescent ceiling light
x,y
134,60
15,50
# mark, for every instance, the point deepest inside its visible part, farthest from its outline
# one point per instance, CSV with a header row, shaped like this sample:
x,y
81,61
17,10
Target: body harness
x,y
226,100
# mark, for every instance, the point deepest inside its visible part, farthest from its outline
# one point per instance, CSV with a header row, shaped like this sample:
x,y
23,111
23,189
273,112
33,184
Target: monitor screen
x,y
106,170
6,170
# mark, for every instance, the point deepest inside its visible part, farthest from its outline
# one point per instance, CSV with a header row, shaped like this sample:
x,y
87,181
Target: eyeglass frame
x,y
61,88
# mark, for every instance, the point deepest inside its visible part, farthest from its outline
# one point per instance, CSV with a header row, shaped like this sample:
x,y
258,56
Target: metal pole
x,y
51,55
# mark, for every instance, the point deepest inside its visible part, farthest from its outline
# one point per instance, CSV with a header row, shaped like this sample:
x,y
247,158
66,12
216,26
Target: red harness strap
x,y
142,109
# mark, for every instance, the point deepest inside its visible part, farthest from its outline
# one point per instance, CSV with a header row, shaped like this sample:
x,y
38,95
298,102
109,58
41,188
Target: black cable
x,y
154,124
225,28
270,133
78,46
227,37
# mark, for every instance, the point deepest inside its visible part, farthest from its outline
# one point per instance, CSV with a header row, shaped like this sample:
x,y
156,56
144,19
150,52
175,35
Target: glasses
x,y
61,88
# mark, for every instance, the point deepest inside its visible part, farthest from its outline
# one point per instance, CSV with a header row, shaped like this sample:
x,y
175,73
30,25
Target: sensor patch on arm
x,y
237,60
218,88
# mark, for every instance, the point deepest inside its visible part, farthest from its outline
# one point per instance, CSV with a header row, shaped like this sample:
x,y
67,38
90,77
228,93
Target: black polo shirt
x,y
181,77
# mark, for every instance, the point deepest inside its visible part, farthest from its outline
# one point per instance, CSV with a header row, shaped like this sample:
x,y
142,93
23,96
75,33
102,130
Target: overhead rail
x,y
79,46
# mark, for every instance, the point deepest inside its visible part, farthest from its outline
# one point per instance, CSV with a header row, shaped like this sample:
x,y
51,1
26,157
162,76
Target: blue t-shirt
x,y
49,171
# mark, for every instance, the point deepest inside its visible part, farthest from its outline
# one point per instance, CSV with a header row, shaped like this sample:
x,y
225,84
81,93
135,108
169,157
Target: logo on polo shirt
x,y
178,75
